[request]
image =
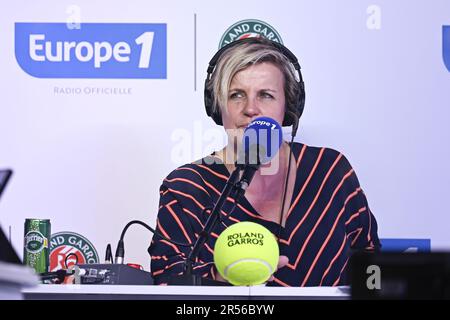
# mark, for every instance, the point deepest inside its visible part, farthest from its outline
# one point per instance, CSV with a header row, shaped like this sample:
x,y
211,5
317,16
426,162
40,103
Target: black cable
x,y
153,231
235,203
294,132
67,257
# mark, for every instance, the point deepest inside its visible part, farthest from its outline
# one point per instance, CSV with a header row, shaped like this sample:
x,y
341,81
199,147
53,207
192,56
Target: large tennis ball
x,y
246,254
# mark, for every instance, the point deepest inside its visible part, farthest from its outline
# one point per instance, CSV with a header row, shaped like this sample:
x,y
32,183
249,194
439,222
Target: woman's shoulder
x,y
321,159
325,165
315,151
205,170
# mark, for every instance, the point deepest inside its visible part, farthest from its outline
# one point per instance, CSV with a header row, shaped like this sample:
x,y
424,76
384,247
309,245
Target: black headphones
x,y
292,114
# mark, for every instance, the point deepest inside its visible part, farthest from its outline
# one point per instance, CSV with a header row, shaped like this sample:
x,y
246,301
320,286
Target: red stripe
x,y
288,242
209,248
159,258
166,267
217,192
301,155
215,235
213,172
340,274
252,214
179,224
280,282
348,235
158,224
201,177
172,202
351,218
334,259
357,213
319,220
306,182
190,182
202,265
327,239
206,245
356,238
207,183
188,196
329,236
212,272
234,219
173,246
194,216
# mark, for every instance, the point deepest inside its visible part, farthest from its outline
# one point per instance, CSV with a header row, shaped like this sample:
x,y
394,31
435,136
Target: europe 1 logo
x,y
95,50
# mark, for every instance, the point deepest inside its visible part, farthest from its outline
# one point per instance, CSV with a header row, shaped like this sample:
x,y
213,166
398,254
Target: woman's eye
x,y
236,95
266,95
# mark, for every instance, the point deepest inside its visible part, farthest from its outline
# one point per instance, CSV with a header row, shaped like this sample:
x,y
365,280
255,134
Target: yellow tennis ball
x,y
246,254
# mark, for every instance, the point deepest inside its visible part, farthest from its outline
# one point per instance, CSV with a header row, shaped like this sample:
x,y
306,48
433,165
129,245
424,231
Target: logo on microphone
x,y
72,247
95,50
247,29
446,46
261,141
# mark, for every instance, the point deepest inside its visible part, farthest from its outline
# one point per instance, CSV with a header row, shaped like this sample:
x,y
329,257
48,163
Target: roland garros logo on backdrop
x,y
247,29
63,244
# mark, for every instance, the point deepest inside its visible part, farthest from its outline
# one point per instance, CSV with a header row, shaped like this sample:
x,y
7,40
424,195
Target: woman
x,y
313,204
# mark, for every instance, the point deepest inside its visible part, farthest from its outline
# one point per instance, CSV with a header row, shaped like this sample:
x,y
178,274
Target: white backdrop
x,y
377,90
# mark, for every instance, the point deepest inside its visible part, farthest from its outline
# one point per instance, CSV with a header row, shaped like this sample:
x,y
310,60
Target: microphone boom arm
x,y
230,186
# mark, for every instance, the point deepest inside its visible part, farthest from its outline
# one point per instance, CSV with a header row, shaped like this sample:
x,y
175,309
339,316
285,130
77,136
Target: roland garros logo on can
x,y
72,247
247,29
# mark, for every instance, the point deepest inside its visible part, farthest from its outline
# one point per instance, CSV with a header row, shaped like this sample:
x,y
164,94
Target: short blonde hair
x,y
240,57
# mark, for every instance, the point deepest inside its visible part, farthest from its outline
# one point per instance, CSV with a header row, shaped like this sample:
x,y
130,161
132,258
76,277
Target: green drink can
x,y
36,248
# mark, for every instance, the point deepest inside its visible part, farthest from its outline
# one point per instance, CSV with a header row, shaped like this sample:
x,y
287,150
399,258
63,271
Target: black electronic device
x,y
111,274
7,252
397,275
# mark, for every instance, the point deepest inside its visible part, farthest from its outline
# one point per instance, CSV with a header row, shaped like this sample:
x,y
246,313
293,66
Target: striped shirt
x,y
328,218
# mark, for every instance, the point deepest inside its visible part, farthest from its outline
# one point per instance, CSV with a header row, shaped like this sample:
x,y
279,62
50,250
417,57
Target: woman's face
x,y
254,92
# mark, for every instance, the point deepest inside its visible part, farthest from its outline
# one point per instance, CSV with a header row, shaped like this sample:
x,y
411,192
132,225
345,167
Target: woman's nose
x,y
251,108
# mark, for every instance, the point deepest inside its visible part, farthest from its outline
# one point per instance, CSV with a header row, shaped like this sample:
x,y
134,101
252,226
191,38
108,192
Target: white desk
x,y
13,278
111,292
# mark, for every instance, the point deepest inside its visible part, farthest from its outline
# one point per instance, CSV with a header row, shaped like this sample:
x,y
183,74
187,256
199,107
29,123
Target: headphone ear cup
x,y
287,121
209,106
301,99
207,96
217,117
297,110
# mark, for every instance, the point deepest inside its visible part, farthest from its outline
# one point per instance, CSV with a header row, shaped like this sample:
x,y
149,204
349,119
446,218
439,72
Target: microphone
x,y
261,142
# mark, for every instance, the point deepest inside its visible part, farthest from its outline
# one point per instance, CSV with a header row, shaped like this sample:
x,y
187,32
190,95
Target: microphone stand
x,y
236,190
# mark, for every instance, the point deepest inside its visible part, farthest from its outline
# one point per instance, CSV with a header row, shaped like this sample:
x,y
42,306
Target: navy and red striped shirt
x,y
327,218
